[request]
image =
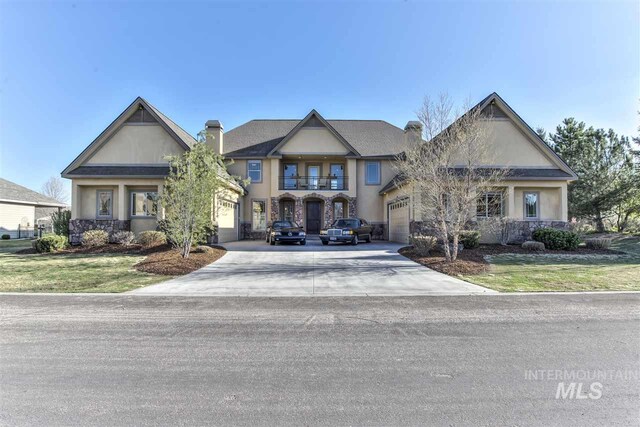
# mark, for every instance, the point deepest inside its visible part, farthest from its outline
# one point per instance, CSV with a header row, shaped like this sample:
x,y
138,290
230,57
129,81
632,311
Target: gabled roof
x,y
179,135
12,192
526,129
313,114
369,138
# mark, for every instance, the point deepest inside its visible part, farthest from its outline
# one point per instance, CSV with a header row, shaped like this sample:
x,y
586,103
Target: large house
x,y
311,170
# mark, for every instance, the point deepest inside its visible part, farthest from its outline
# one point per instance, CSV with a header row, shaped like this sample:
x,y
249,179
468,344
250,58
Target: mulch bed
x,y
160,259
472,261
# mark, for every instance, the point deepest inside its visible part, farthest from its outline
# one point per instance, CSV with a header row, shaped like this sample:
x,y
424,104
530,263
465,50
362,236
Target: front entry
x,y
313,217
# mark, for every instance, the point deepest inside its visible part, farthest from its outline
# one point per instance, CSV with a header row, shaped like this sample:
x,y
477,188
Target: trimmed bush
x,y
470,239
152,238
423,244
51,243
201,249
5,237
598,243
60,222
124,237
557,240
533,246
95,238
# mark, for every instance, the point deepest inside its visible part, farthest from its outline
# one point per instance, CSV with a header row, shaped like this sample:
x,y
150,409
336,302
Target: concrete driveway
x,y
254,268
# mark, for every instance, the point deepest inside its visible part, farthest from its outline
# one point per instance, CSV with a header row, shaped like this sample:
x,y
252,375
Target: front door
x,y
313,217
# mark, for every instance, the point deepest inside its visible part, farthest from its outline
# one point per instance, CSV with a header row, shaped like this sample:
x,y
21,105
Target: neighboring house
x,y
21,209
310,170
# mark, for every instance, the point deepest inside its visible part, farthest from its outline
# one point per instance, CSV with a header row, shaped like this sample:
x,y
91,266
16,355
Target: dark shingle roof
x,y
370,137
14,192
515,174
138,171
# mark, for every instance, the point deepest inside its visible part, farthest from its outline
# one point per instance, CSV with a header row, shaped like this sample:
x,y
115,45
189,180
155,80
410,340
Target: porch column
x,y
298,211
511,202
275,174
75,200
122,202
160,213
564,202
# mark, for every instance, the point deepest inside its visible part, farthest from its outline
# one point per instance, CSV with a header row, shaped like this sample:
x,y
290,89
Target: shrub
x,y
124,237
95,238
555,239
598,243
470,239
5,237
51,243
423,244
60,222
533,246
152,238
201,249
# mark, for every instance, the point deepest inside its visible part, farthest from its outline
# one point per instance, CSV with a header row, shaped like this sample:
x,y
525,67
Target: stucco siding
x,y
14,216
314,141
369,201
136,144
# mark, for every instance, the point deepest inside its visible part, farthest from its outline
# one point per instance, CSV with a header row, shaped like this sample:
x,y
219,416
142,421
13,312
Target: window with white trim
x,y
254,170
531,205
104,204
372,173
258,215
144,203
490,204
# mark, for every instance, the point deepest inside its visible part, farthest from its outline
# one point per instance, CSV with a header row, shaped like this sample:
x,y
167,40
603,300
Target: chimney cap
x,y
413,125
213,124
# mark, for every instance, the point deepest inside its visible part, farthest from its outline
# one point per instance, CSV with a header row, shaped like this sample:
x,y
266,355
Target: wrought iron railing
x,y
329,183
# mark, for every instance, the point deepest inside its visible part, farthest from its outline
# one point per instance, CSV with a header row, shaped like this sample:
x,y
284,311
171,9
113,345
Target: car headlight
x,y
347,231
277,233
323,232
302,233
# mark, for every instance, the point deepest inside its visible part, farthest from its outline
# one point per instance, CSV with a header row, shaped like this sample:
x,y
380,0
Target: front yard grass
x,y
548,272
69,272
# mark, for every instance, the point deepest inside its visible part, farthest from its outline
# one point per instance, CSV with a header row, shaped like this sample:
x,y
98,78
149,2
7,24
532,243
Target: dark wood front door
x,y
313,217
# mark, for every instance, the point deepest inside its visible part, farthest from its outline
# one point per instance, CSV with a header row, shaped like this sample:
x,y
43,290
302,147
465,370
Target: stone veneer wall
x,y
519,231
379,231
111,226
298,213
246,233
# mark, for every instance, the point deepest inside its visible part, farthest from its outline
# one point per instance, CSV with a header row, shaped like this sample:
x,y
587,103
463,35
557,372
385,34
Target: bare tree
x,y
445,173
55,188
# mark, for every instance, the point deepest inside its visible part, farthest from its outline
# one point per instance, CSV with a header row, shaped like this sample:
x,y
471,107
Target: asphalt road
x,y
138,360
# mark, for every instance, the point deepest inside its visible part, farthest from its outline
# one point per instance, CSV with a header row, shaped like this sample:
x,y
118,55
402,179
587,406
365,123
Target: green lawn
x,y
69,272
534,273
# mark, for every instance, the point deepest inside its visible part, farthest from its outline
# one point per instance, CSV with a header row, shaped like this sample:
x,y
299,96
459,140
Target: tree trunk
x,y
454,256
599,223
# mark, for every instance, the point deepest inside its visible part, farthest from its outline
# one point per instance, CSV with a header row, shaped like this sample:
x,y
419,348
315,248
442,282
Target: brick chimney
x,y
215,135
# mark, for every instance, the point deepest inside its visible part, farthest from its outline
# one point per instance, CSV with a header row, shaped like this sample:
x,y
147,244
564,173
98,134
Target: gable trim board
x,y
351,152
184,139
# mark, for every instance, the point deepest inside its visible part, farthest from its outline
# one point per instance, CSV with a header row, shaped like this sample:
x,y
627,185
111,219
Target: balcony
x,y
313,183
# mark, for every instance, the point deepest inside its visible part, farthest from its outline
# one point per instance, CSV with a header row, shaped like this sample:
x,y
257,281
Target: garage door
x,y
399,221
227,221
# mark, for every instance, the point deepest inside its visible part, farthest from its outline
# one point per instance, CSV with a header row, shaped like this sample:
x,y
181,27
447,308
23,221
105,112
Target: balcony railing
x,y
330,183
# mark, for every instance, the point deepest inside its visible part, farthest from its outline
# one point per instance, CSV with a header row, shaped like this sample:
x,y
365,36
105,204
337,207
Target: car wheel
x,y
368,239
273,242
325,243
355,240
303,242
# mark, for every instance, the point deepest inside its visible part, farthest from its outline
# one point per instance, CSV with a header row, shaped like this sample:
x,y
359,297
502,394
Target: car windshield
x,y
342,223
285,224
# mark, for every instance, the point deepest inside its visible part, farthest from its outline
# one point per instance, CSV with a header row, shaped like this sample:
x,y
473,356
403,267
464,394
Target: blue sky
x,y
67,69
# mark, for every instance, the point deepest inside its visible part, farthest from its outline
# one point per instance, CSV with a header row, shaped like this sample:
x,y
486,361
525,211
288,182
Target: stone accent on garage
x,y
246,233
379,231
111,226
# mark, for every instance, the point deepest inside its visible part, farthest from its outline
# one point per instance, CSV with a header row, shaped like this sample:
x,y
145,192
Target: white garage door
x,y
399,221
227,221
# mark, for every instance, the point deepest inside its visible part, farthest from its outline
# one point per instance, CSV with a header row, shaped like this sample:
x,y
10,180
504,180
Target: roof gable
x,y
313,120
139,111
12,192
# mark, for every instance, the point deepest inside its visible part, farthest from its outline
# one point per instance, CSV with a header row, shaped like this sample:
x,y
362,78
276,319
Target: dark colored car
x,y
286,231
347,230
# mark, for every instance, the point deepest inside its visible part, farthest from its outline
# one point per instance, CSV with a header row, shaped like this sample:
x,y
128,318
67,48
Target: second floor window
x,y
254,170
372,173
